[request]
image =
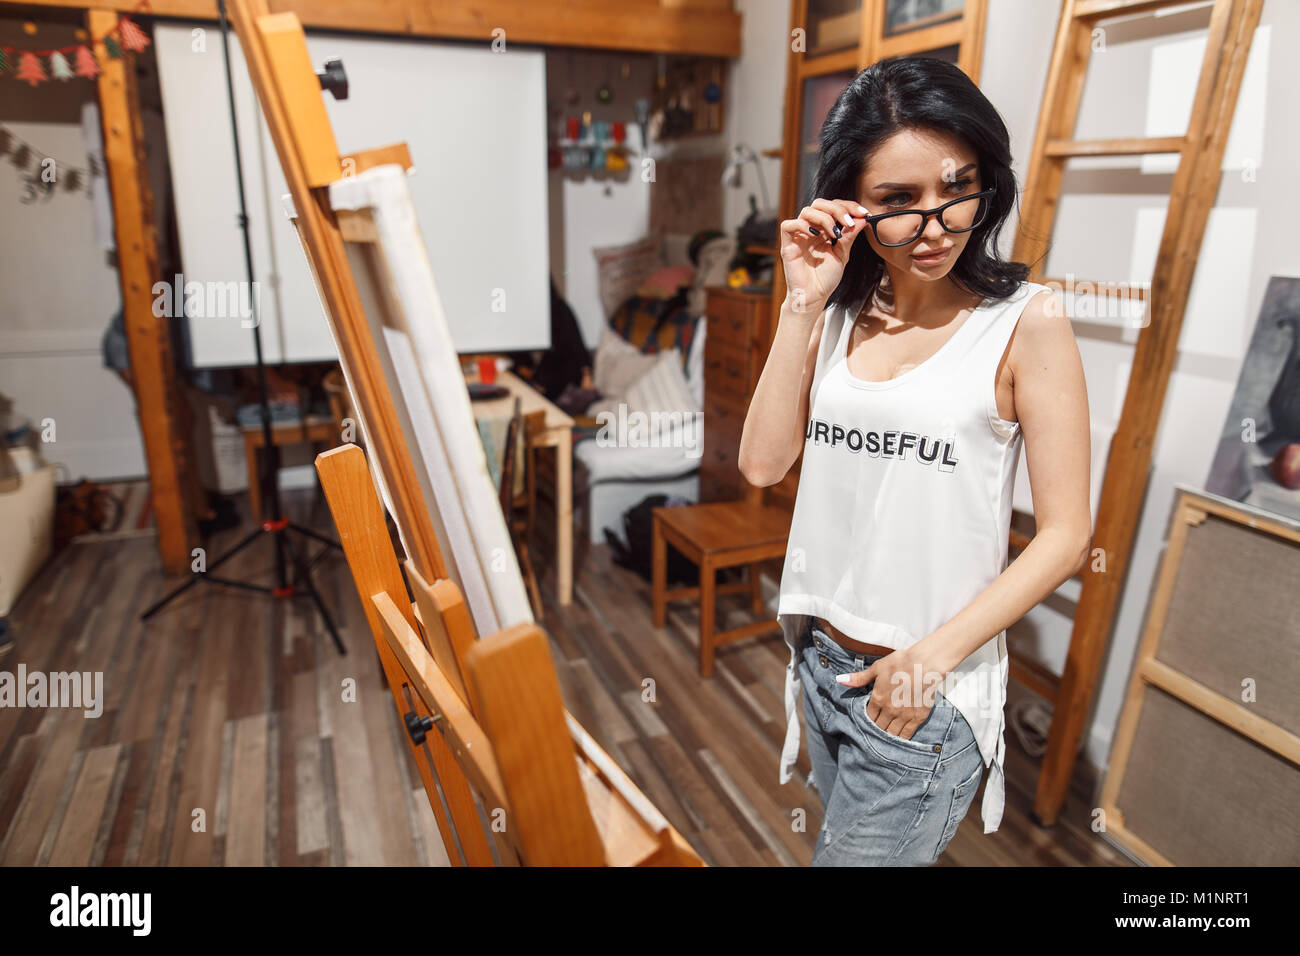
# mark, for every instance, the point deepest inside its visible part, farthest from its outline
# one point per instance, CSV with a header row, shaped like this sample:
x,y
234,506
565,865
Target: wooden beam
x,y
167,448
666,27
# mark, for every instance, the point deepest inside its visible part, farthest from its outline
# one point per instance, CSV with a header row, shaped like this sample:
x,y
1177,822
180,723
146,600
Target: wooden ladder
x,y
1195,184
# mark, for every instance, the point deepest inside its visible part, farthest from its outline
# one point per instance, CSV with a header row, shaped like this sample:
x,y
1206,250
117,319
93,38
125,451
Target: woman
x,y
898,372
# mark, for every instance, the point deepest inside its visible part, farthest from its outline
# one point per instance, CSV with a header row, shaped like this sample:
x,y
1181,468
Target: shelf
x,y
607,146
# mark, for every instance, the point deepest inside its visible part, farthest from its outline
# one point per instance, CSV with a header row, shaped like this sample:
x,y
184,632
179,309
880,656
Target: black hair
x,y
918,92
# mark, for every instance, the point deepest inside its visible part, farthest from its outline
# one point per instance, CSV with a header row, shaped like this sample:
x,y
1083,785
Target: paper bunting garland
x,y
125,37
32,165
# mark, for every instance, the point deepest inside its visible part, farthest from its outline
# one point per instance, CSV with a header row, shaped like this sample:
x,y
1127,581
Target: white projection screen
x,y
475,122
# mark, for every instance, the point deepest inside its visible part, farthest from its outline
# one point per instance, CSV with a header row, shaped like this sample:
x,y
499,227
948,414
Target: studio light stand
x,y
275,528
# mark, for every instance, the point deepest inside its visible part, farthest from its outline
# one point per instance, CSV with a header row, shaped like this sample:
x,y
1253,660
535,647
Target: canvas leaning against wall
x,y
1258,458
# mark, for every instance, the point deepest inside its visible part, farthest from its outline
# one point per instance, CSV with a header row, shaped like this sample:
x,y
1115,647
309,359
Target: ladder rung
x,y
1099,287
1132,146
1095,9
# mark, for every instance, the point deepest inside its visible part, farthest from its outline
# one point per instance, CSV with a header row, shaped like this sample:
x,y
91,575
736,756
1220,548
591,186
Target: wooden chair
x,y
717,535
520,509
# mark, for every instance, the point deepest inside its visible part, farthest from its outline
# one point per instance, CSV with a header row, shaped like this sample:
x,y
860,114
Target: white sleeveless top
x,y
903,512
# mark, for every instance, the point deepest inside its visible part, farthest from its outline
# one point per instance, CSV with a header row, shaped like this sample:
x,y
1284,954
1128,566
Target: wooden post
x,y
167,449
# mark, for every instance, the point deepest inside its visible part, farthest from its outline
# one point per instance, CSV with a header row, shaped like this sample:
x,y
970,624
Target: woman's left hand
x,y
904,693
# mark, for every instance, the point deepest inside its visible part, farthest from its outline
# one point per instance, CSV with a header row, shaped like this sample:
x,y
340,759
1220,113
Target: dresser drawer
x,y
723,415
726,368
715,486
730,320
719,458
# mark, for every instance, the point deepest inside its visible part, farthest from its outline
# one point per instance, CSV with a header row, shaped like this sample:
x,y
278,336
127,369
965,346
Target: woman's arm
x,y
815,248
778,412
1051,402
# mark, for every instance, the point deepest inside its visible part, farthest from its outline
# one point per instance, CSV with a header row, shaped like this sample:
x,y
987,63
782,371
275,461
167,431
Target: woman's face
x,y
920,169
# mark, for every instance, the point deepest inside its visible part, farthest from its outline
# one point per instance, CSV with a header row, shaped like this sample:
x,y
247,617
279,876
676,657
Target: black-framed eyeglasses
x,y
904,226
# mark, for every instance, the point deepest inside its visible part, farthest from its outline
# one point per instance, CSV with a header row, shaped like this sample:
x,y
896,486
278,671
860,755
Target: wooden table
x,y
557,434
317,429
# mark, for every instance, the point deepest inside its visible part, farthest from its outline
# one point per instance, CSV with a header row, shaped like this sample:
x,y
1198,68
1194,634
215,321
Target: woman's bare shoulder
x,y
1044,330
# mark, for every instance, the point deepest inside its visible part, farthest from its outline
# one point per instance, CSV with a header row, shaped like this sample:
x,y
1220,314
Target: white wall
x,y
60,290
756,112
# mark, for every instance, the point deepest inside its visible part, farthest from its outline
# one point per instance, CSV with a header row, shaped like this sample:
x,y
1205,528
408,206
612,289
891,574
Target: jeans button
x,y
823,660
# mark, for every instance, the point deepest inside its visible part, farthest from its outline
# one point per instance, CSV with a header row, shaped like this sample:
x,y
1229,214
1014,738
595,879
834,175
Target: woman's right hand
x,y
813,264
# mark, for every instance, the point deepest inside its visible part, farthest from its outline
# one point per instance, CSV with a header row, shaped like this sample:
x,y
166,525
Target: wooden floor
x,y
229,734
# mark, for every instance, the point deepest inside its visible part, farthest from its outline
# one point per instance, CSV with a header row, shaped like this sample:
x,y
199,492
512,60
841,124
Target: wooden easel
x,y
484,715
1200,150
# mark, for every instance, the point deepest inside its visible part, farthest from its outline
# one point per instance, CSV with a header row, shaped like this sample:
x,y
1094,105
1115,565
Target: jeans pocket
x,y
925,739
962,796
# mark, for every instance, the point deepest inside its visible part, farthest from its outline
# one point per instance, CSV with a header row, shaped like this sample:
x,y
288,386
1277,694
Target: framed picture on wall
x,y
904,15
1258,458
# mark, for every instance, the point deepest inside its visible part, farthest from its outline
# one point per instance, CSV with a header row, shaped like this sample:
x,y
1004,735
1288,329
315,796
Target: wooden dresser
x,y
735,348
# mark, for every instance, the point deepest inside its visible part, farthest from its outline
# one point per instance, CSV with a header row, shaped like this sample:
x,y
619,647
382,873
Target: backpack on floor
x,y
637,553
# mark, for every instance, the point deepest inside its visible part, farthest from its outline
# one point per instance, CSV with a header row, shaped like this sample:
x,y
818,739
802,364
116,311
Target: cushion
x,y
658,411
714,260
654,325
620,270
663,283
695,362
663,388
618,364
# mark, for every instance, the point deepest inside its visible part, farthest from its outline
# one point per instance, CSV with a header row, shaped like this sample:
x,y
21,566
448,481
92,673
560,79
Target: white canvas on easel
x,y
407,323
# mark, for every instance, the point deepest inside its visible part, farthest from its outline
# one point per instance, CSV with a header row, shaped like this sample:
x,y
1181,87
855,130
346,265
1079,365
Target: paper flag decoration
x,y
133,37
86,65
59,66
30,69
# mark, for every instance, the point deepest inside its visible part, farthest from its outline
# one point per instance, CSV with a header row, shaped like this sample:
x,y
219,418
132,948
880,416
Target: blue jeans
x,y
886,800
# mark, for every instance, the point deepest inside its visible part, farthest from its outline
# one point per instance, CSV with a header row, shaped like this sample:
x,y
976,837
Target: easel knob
x,y
417,726
333,78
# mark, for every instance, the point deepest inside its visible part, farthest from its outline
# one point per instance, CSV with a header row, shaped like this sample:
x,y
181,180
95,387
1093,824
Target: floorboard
x,y
231,733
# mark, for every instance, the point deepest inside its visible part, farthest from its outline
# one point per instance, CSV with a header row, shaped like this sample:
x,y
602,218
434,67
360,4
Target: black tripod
x,y
276,526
